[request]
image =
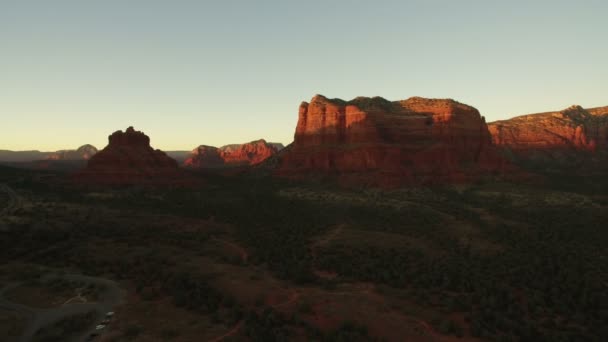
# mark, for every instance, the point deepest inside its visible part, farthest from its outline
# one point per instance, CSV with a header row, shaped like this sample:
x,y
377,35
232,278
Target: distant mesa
x,y
129,159
250,153
84,152
63,160
373,141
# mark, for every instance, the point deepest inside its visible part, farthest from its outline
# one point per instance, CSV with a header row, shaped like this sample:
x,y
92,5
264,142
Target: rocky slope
x,y
379,142
250,153
566,136
129,159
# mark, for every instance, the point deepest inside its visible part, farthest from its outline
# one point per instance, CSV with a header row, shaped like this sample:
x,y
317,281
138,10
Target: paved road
x,y
39,318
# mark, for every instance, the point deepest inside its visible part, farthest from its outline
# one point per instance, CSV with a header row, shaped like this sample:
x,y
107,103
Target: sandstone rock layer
x,y
379,142
251,153
554,136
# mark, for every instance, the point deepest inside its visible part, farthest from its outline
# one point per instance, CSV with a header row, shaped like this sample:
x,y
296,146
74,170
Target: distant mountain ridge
x,y
84,152
22,156
245,153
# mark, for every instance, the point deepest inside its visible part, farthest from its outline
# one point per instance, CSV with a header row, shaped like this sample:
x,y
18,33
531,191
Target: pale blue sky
x,y
219,72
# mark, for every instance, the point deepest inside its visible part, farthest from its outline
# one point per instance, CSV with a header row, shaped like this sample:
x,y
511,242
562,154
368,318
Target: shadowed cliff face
x,y
563,137
129,159
372,140
204,156
251,153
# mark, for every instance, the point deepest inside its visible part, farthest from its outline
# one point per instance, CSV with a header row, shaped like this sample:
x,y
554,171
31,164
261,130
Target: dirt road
x,y
38,318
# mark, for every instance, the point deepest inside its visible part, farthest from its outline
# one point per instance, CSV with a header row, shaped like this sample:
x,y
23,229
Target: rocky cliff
x,y
376,141
561,136
129,159
250,153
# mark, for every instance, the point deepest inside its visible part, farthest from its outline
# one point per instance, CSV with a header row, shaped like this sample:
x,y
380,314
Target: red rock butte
x,y
373,141
129,159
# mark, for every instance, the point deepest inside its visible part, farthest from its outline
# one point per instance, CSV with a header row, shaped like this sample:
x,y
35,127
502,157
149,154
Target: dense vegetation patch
x,y
545,280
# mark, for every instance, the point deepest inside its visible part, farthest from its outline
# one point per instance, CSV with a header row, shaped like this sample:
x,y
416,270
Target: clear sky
x,y
227,71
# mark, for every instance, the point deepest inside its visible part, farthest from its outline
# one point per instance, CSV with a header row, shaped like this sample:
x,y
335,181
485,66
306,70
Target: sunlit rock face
x,y
573,128
379,142
250,153
553,135
129,159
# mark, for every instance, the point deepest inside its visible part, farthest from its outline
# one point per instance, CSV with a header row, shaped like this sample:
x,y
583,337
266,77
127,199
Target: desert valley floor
x,y
253,259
